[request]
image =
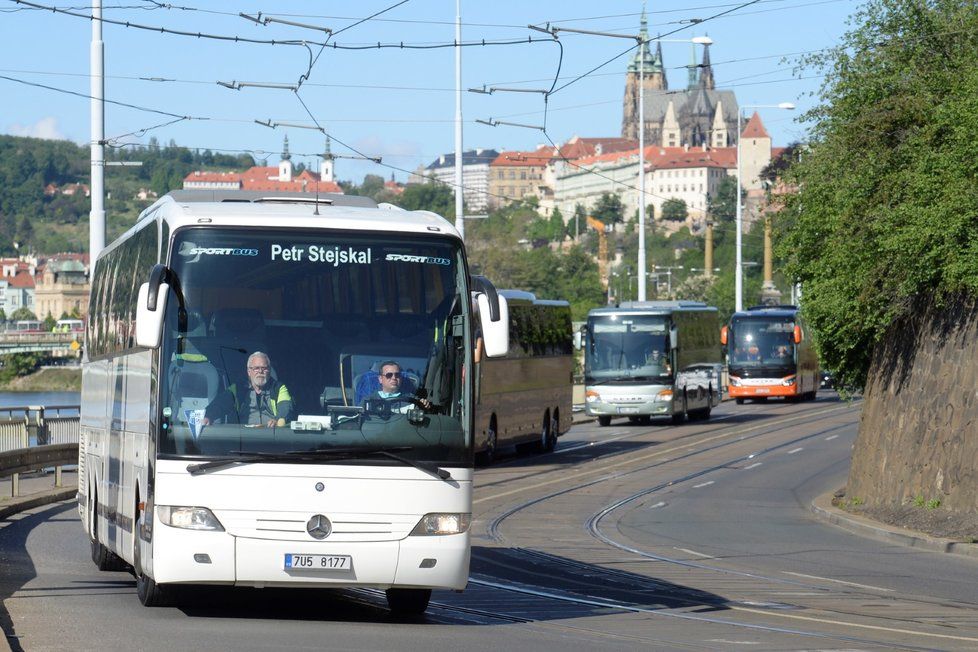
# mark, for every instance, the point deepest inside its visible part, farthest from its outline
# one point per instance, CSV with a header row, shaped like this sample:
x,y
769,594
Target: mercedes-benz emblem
x,y
319,527
320,486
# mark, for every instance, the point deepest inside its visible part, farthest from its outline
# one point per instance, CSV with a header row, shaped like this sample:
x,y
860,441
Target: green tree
x,y
434,197
49,322
22,313
608,209
885,211
557,228
674,210
579,221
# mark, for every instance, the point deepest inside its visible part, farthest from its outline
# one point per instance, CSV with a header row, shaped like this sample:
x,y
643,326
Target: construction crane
x,y
602,230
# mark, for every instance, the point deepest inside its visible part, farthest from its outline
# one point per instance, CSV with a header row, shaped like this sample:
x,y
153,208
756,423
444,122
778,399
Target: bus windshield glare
x,y
629,346
762,342
356,343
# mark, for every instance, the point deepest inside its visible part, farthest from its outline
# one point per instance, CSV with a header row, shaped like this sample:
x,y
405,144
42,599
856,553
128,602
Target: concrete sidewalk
x,y
36,489
823,508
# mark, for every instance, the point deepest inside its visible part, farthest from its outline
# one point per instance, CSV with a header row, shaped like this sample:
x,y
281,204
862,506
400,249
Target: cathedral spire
x,y
693,76
706,70
643,57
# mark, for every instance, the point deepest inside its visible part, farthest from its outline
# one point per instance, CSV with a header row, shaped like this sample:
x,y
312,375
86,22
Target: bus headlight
x,y
189,518
664,395
734,381
789,381
592,396
439,523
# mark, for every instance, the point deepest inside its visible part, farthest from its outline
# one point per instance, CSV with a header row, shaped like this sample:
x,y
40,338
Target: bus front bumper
x,y
656,401
195,557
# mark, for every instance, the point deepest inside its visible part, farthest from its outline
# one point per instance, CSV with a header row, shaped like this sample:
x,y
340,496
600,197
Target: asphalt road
x,y
627,537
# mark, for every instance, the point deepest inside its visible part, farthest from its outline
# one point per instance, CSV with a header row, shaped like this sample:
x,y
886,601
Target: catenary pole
x,y
459,199
96,218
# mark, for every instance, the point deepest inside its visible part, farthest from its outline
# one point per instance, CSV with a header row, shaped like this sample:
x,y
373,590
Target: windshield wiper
x,y
318,455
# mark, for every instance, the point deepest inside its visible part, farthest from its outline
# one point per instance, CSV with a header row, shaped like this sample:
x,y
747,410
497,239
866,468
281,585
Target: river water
x,y
8,399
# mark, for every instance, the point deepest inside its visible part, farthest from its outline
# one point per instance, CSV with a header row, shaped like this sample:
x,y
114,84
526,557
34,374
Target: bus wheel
x,y
486,457
408,602
680,417
551,426
150,593
604,422
104,559
740,401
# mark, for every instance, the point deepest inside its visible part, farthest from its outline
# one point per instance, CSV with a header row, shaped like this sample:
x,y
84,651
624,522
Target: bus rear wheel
x,y
548,439
103,558
408,602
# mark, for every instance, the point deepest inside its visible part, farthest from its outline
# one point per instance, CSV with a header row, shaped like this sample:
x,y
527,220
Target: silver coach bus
x,y
651,358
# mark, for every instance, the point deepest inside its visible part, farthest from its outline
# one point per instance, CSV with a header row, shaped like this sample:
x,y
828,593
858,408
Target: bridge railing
x,y
34,437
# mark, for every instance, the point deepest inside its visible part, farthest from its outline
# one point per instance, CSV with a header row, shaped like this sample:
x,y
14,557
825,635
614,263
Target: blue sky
x,y
393,103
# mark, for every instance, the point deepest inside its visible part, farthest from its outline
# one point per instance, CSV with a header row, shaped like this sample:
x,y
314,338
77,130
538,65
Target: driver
x,y
390,385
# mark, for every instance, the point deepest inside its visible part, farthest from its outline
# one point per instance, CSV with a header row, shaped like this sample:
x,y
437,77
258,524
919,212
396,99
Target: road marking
x,y
702,484
831,438
693,552
658,504
659,453
797,450
829,579
753,466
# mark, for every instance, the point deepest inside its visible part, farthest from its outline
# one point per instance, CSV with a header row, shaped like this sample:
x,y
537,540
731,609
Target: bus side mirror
x,y
495,332
723,336
673,338
578,340
798,337
149,320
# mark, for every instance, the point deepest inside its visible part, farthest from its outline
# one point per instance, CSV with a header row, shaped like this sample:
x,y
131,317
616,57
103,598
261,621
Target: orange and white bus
x,y
769,354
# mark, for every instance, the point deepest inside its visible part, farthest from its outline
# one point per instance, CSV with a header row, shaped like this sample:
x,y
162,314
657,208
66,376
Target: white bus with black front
x,y
651,358
345,485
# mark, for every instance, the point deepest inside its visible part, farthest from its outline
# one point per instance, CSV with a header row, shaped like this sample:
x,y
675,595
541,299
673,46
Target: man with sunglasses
x,y
391,380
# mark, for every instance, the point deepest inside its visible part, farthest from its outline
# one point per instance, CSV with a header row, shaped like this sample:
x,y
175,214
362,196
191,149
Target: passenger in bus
x,y
781,352
266,402
392,387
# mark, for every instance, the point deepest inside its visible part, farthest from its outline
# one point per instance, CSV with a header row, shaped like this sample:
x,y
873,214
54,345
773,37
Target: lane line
x,y
702,484
796,450
658,504
659,453
693,552
831,438
829,579
753,466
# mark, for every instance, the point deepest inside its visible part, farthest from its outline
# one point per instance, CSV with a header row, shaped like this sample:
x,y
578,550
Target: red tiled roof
x,y
580,147
673,157
22,280
539,158
755,128
266,178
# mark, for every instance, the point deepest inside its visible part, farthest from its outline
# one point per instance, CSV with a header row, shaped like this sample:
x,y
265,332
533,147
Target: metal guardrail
x,y
24,426
15,462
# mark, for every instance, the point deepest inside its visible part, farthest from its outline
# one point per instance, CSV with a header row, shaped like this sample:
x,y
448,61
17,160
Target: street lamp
x,y
738,270
668,272
643,40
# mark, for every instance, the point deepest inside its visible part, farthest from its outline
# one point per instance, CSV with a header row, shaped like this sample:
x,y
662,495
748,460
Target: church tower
x,y
285,165
326,167
706,71
650,68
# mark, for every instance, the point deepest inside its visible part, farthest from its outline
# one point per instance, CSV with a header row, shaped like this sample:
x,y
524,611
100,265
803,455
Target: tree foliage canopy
x,y
887,210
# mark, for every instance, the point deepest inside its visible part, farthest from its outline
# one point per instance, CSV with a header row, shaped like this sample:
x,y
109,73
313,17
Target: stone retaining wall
x,y
918,436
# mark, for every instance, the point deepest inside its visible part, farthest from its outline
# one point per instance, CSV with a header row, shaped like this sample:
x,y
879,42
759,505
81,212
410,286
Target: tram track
x,y
655,589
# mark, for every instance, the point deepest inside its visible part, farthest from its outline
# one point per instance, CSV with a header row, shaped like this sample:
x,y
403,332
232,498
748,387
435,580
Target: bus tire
x,y
740,401
103,558
548,438
679,418
408,602
150,593
604,422
486,457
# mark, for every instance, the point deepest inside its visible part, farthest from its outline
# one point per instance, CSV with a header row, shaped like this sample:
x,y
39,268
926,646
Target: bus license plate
x,y
762,390
317,562
628,410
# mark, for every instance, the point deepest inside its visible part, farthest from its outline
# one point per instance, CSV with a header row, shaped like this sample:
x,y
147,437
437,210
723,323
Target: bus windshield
x,y
628,346
316,321
762,342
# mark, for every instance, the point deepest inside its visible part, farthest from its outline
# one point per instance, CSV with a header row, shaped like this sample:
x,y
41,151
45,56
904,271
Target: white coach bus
x,y
651,358
182,479
526,397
